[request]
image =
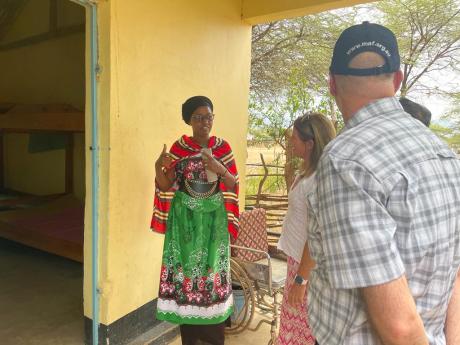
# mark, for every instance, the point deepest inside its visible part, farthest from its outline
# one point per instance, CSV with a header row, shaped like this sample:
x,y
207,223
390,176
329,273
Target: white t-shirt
x,y
294,234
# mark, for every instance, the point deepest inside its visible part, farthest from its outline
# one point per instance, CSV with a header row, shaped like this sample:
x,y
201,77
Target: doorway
x,y
42,171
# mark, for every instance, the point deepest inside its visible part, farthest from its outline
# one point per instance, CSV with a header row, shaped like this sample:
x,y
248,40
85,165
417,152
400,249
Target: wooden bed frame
x,y
55,118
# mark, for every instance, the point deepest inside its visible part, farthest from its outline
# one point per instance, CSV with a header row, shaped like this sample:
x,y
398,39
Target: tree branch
x,y
264,33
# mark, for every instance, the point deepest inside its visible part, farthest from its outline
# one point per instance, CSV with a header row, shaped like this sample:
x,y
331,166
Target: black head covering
x,y
416,110
192,103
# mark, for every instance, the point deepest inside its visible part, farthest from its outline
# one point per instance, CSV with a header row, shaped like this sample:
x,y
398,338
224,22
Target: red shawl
x,y
186,147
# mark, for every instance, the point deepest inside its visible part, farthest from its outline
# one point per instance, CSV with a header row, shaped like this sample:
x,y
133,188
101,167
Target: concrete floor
x,y
41,297
41,301
260,337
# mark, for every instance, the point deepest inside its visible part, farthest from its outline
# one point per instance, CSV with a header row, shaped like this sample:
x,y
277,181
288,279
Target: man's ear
x,y
332,85
397,79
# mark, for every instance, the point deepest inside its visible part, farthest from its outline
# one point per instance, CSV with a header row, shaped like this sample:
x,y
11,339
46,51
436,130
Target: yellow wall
x,y
264,11
51,71
161,54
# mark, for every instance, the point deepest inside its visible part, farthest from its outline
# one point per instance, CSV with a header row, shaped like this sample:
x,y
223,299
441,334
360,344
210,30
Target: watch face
x,y
298,280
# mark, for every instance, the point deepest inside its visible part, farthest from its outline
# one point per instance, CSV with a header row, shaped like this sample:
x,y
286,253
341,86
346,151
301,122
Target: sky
x,y
438,105
435,104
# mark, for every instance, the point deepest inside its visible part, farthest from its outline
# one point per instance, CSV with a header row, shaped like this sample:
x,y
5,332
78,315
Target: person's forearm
x,y
296,294
306,263
452,326
393,314
227,178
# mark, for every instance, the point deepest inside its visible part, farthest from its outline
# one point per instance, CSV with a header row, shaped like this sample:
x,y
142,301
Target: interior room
x,y
42,171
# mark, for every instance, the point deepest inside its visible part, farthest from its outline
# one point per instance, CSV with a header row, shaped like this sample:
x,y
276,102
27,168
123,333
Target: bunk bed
x,y
52,223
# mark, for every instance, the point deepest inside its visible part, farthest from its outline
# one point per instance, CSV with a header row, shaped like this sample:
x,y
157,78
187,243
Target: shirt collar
x,y
373,109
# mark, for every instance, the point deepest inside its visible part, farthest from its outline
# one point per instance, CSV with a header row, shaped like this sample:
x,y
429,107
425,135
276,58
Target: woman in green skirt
x,y
196,206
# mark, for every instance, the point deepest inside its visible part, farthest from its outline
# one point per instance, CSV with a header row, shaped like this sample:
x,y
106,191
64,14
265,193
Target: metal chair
x,y
258,278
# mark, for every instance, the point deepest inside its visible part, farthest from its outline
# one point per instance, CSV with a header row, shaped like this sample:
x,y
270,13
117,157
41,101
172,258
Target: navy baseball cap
x,y
365,37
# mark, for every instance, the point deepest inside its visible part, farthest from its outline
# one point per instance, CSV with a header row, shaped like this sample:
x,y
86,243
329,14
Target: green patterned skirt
x,y
195,284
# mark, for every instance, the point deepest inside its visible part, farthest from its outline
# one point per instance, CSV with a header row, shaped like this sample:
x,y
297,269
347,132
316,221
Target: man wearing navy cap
x,y
384,221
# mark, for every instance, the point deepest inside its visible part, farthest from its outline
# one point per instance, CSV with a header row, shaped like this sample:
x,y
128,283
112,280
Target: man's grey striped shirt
x,y
387,203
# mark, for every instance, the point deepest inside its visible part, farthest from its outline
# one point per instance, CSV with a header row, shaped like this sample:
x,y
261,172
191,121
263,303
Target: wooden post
x,y
2,163
69,164
261,183
289,168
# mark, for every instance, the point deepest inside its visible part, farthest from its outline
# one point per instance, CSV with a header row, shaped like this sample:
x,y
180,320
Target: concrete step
x,y
162,334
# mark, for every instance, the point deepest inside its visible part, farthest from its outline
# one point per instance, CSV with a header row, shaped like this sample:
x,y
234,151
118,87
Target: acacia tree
x,y
290,59
451,132
273,121
301,45
289,70
454,115
428,33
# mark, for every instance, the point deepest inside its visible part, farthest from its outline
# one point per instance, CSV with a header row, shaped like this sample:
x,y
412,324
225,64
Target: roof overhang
x,y
264,11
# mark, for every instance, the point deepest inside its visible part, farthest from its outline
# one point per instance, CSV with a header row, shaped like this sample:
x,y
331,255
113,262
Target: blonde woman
x,y
311,133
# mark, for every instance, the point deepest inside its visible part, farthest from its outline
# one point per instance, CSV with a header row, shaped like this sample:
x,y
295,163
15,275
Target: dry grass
x,y
269,153
273,184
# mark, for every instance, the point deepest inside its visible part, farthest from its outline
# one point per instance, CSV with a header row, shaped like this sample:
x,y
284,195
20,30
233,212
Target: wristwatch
x,y
299,280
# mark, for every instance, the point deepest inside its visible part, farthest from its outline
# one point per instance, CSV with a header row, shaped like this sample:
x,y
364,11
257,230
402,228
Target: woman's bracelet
x,y
225,173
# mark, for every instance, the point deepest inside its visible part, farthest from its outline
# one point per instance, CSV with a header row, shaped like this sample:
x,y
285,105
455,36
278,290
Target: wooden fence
x,y
275,204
